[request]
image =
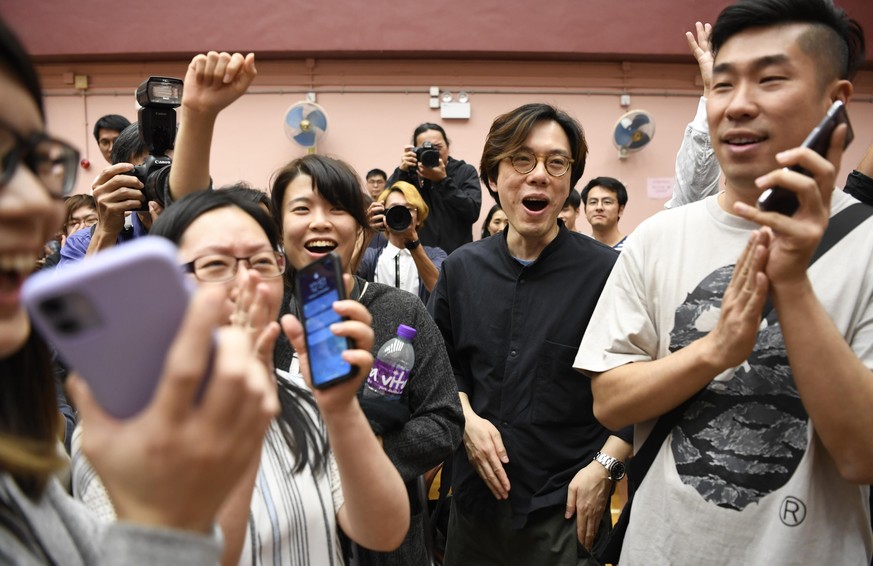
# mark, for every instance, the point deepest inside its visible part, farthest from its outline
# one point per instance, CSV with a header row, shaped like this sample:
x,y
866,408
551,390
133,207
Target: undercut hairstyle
x,y
834,41
608,183
412,196
574,199
509,133
376,173
128,145
336,182
110,122
427,126
300,429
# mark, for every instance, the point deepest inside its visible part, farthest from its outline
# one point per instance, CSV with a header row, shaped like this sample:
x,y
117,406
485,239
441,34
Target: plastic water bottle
x,y
392,366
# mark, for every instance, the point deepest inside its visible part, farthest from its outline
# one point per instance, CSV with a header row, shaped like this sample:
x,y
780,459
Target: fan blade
x,y
317,119
294,116
306,139
622,136
639,121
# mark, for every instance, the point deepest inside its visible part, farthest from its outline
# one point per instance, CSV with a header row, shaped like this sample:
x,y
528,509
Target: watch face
x,y
617,471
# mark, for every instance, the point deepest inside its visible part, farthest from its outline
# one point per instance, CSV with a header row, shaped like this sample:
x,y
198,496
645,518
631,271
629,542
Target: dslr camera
x,y
427,155
398,218
158,98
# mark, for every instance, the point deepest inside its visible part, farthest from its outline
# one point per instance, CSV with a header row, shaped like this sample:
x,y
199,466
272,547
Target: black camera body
x,y
428,155
149,174
398,218
158,98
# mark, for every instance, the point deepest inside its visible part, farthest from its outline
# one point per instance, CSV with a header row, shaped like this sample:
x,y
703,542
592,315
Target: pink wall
x,y
373,107
372,62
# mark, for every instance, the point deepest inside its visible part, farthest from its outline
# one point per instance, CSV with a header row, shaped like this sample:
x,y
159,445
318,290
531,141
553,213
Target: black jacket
x,y
454,204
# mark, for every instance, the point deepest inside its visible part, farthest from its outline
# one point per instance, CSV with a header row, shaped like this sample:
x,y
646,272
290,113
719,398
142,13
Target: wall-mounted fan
x,y
632,132
305,124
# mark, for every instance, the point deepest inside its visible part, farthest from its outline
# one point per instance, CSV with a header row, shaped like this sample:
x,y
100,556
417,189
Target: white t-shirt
x,y
743,478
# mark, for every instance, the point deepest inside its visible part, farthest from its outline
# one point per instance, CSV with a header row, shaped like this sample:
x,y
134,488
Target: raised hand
x,y
701,48
215,80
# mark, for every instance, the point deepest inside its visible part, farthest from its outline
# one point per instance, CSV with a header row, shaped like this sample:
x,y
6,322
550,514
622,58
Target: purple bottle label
x,y
387,379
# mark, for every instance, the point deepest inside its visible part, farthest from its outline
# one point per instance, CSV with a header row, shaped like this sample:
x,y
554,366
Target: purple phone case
x,y
130,301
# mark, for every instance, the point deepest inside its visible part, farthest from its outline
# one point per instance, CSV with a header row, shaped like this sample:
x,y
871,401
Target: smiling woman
x,y
294,498
321,206
168,511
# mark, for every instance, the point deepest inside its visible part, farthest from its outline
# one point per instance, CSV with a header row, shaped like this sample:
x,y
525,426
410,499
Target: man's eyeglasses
x,y
76,224
54,162
556,165
217,268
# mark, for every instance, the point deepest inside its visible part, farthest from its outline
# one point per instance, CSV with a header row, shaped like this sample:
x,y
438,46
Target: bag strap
x,y
839,226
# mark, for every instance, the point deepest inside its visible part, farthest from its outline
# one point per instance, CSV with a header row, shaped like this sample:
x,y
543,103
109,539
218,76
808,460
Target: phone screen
x,y
784,201
320,285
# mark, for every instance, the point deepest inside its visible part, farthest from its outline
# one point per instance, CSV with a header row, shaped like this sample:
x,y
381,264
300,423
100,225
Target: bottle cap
x,y
407,332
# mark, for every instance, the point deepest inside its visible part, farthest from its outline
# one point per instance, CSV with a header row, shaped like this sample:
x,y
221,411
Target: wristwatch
x,y
613,466
413,244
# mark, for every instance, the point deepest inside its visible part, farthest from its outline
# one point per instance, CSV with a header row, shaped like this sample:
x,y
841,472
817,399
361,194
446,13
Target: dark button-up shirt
x,y
512,332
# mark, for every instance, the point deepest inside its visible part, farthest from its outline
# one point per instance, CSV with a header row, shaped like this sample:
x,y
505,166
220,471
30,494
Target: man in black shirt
x,y
450,188
532,482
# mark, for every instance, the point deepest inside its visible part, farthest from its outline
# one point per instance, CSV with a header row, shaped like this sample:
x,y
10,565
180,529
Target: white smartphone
x,y
113,317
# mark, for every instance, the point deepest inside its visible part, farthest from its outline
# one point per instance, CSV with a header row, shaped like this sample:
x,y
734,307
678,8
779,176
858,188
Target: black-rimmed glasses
x,y
54,162
556,165
218,268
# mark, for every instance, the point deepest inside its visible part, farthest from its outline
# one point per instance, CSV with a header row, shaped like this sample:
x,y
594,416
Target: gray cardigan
x,y
68,534
436,422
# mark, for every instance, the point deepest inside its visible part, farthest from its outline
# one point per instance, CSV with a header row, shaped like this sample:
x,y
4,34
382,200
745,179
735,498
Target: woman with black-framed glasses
x,y
226,240
168,491
52,161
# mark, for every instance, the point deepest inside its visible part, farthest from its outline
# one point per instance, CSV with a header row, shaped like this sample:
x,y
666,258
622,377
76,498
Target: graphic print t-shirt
x,y
742,478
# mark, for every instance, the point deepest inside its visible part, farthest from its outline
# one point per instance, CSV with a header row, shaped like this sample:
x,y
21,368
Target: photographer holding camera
x,y
449,187
141,179
402,261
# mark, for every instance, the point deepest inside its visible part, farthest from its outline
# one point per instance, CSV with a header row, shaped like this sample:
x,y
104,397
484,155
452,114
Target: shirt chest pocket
x,y
562,395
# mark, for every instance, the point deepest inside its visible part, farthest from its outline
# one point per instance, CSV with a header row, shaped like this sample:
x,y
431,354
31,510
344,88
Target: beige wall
x,y
373,107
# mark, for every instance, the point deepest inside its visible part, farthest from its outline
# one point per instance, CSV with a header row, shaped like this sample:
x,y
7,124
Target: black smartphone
x,y
777,199
319,284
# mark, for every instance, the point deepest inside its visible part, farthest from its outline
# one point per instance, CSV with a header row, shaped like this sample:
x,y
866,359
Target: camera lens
x,y
398,218
430,158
